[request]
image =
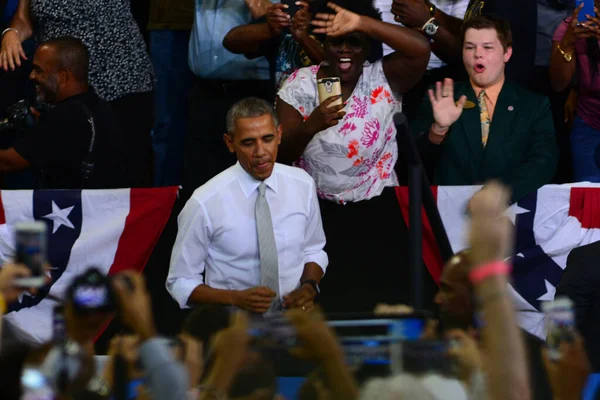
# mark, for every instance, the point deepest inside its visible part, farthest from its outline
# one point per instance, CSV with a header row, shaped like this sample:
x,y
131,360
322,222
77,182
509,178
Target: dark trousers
x,y
540,83
169,51
135,113
367,245
205,153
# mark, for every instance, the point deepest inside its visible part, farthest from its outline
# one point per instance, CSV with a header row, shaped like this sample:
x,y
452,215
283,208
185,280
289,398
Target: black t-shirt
x,y
59,142
522,16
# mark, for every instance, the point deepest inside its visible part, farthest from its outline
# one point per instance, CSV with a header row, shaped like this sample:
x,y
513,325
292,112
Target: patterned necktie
x,y
485,118
269,264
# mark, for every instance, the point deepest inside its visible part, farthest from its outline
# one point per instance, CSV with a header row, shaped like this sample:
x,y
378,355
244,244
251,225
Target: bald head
x,y
459,267
455,297
70,55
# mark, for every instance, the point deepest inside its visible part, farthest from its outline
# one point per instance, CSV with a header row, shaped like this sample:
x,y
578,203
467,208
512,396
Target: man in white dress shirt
x,y
254,231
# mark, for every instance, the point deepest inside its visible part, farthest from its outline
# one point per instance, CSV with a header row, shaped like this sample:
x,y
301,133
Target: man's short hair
x,y
250,107
72,55
501,26
258,374
205,321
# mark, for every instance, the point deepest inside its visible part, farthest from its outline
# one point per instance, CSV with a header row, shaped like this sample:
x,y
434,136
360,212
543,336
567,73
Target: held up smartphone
x,y
59,327
329,87
91,293
35,386
59,334
293,8
559,317
31,251
588,8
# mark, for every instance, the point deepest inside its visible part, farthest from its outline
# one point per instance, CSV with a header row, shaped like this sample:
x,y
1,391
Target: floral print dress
x,y
355,159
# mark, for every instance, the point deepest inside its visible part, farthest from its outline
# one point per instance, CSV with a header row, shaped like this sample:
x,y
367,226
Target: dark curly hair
x,y
360,7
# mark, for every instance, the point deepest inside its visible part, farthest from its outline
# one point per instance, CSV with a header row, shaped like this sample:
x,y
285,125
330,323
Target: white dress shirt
x,y
217,232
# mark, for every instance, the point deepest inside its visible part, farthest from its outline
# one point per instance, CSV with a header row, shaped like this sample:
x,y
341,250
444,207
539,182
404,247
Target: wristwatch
x,y
312,283
430,28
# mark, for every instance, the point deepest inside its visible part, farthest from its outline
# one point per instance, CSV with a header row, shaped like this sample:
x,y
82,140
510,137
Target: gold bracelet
x,y
568,56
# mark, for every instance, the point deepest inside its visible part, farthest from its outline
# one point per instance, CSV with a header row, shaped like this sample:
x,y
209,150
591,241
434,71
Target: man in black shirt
x,y
76,144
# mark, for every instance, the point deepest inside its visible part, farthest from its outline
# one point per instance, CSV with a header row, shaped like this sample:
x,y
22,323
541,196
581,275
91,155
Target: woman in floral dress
x,y
350,150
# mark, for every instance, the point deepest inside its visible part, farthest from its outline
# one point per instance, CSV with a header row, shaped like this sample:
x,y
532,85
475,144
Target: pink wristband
x,y
487,270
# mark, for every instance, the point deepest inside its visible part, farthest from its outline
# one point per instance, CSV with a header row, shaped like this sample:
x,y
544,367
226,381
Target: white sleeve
x,y
315,236
189,252
300,92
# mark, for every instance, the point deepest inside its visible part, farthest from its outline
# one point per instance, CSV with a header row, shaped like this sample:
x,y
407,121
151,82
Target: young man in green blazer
x,y
489,127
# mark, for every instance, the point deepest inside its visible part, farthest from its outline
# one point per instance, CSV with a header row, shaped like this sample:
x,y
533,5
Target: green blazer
x,y
521,149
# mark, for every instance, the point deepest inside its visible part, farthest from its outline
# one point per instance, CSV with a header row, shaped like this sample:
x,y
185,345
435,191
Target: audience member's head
x,y
314,387
205,321
12,359
60,69
487,47
347,54
455,297
255,381
399,387
254,135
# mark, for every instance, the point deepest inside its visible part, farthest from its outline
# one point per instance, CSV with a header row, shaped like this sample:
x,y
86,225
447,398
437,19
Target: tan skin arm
x,y
448,45
257,299
11,161
414,14
11,51
247,39
406,65
403,69
258,8
561,71
21,21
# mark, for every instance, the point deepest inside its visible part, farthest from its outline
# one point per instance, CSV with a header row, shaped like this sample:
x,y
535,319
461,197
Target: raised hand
x,y
412,14
445,110
593,24
301,20
491,235
575,31
569,374
277,19
341,23
325,116
8,274
11,51
465,352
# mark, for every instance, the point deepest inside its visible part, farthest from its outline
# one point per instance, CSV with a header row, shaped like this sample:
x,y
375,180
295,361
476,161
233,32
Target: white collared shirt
x,y
217,232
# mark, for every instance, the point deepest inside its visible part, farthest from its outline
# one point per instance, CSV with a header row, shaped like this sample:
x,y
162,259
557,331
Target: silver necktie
x,y
269,264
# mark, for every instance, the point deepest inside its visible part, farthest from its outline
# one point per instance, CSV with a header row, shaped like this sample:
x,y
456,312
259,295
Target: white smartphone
x,y
31,238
